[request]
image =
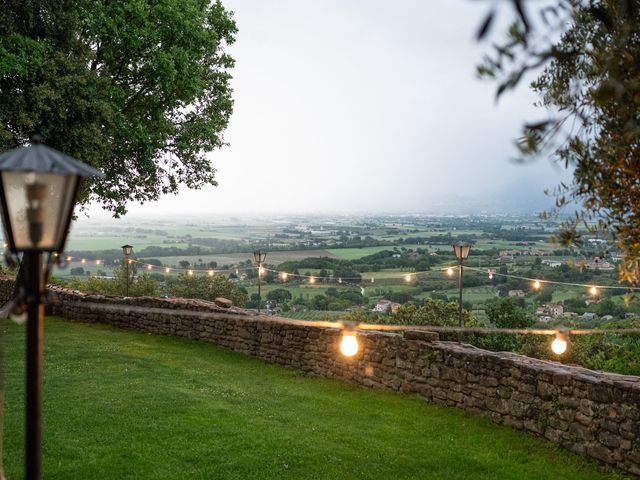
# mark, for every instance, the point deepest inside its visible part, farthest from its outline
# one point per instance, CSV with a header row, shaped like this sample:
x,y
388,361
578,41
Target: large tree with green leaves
x,y
137,88
589,86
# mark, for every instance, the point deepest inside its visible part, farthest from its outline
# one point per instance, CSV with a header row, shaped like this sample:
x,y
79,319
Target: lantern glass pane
x,y
39,206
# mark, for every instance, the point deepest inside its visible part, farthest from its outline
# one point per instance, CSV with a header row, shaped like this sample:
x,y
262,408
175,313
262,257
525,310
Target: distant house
x,y
550,309
545,318
569,314
516,293
552,263
554,309
597,263
589,316
383,306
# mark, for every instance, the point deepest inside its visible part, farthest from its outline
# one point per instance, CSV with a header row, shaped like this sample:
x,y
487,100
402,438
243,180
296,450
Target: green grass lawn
x,y
123,405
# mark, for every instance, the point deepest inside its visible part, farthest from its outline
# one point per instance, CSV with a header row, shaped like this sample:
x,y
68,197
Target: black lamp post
x,y
127,250
38,190
462,252
259,257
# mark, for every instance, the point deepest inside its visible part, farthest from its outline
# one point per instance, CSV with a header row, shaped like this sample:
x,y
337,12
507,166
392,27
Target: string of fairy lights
x,y
349,344
536,283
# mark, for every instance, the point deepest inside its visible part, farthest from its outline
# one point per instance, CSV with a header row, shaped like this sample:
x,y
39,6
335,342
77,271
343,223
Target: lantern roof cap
x,y
39,158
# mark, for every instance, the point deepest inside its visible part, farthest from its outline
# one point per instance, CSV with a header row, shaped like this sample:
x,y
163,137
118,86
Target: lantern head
x,y
38,190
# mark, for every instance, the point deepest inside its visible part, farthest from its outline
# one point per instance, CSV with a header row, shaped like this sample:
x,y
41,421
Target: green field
x,y
355,253
296,290
124,405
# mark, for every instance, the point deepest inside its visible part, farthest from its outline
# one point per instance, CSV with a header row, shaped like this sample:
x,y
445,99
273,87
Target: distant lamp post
x,y
38,190
127,250
462,252
259,256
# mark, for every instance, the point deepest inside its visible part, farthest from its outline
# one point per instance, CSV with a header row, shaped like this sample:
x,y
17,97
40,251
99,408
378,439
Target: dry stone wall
x,y
593,413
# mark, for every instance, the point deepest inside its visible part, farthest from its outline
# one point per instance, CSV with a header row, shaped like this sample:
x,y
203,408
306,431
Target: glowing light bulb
x,y
190,272
55,254
237,271
339,280
449,271
130,262
4,245
559,344
149,267
407,278
211,273
97,262
83,261
536,285
490,276
349,344
167,270
284,276
593,291
373,280
312,280
69,259
261,271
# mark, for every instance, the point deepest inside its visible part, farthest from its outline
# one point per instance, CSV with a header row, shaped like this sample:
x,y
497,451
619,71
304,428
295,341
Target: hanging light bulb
x,y
149,267
373,280
211,273
339,280
407,278
284,276
449,271
312,280
559,344
593,291
83,261
536,285
167,270
130,261
190,272
97,262
69,259
490,274
349,343
261,271
237,271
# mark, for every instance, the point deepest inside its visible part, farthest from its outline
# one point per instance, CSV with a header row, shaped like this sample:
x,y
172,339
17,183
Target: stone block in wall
x,y
420,335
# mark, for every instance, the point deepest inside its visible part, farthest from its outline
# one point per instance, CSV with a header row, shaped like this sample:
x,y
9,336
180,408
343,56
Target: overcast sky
x,y
366,106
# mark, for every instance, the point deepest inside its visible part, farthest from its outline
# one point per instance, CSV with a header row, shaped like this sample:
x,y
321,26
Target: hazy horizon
x,y
357,108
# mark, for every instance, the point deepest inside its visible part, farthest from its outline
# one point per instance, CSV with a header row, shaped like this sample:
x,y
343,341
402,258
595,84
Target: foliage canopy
x,y
590,88
137,89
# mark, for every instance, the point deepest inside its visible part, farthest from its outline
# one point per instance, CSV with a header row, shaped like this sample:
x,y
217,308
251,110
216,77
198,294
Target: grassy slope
x,y
122,405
